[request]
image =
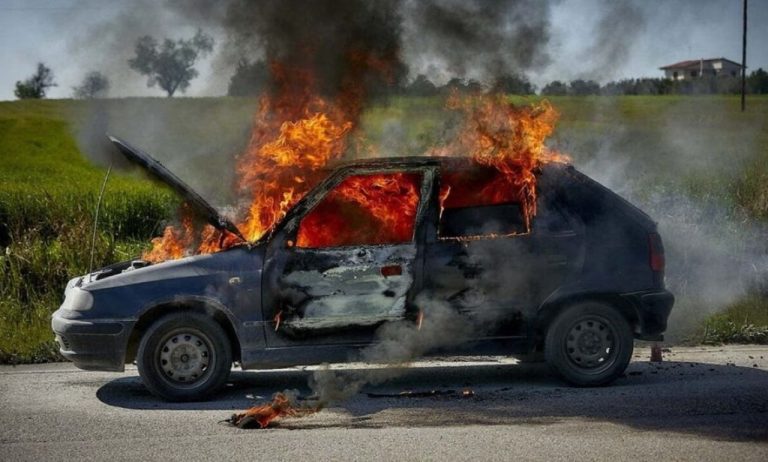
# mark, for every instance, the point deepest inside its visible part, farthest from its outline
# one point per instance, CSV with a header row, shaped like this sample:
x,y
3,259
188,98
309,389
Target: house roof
x,y
695,63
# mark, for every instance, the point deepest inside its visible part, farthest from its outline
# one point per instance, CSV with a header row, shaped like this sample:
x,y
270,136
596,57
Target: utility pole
x,y
744,61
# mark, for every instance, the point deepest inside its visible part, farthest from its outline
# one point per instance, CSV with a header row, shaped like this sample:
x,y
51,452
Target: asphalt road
x,y
699,404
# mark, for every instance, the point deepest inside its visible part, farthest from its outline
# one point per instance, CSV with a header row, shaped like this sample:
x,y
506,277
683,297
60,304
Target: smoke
x,y
396,346
439,38
344,44
682,174
187,136
713,260
476,39
450,319
349,50
616,31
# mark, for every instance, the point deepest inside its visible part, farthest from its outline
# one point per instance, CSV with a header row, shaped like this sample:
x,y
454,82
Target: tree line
x,y
756,83
253,78
170,65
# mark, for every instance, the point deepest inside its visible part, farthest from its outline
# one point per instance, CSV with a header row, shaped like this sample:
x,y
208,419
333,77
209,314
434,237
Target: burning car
x,y
570,269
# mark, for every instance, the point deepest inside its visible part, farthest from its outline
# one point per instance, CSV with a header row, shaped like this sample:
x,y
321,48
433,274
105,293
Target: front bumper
x,y
94,344
652,308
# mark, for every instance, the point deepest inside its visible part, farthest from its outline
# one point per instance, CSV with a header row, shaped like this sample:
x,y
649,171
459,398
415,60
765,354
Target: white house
x,y
693,69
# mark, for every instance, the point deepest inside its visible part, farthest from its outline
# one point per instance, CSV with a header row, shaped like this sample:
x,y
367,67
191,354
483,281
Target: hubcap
x,y
590,343
184,357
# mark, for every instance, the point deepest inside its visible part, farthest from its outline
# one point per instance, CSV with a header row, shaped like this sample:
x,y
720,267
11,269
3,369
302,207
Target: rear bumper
x,y
653,308
98,345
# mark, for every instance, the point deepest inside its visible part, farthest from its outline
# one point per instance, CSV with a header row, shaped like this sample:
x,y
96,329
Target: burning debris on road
x,y
283,404
289,404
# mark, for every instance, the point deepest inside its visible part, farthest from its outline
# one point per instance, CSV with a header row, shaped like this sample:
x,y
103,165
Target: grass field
x,y
697,164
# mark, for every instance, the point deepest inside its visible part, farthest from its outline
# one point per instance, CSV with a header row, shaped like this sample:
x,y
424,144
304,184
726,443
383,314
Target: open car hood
x,y
195,200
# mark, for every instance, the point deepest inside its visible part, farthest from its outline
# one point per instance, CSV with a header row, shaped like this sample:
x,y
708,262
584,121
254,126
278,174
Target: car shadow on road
x,y
719,402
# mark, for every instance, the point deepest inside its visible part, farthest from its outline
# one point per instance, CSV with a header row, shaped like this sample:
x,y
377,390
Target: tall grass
x,y
48,196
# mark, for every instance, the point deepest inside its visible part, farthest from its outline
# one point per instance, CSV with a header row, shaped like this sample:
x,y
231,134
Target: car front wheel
x,y
589,344
184,357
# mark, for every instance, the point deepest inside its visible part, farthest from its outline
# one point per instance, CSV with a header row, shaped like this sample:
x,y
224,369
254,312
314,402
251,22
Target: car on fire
x,y
578,274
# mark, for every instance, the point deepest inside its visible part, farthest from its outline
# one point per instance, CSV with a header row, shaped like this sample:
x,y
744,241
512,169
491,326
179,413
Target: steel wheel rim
x,y
185,357
591,344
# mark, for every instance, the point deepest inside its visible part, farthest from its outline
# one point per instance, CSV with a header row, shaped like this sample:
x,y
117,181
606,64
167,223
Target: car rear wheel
x,y
184,357
589,344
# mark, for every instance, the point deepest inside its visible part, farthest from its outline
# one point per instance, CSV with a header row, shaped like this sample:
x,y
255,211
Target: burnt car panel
x,y
284,301
345,287
339,294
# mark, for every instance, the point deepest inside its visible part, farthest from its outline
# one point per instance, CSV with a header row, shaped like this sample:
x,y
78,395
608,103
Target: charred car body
x,y
580,280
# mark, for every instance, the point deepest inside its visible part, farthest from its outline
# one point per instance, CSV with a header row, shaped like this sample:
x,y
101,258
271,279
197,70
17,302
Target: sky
x,y
73,37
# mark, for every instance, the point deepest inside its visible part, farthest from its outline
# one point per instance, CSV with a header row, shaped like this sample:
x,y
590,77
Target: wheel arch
x,y
549,310
201,305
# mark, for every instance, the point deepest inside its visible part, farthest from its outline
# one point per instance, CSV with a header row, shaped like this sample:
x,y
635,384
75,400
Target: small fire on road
x,y
283,404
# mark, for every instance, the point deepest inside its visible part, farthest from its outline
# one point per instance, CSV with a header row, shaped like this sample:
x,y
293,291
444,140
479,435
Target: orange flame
x,y
276,171
280,406
296,134
371,209
508,138
175,241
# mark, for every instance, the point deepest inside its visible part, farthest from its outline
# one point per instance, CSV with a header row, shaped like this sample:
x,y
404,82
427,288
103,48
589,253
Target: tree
x,y
555,88
460,85
758,82
421,86
170,65
249,79
581,87
95,85
513,84
35,86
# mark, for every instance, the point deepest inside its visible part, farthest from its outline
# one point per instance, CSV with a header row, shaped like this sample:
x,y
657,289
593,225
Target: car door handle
x,y
391,270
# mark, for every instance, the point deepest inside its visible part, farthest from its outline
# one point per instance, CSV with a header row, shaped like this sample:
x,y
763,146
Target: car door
x,y
486,261
348,260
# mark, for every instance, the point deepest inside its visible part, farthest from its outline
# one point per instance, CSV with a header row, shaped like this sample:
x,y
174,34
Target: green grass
x,y
47,201
52,163
746,321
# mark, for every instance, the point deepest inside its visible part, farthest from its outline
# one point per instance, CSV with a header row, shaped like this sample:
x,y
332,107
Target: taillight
x,y
655,252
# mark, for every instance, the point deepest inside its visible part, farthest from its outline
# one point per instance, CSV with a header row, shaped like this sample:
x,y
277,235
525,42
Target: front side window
x,y
364,210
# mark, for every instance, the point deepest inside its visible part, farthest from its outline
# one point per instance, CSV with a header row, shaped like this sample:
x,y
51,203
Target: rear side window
x,y
479,202
364,210
482,220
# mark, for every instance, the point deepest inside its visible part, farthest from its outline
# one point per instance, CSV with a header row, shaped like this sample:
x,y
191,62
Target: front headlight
x,y
77,299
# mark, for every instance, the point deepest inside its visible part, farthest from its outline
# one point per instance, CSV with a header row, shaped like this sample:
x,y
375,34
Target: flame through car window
x,y
479,202
364,209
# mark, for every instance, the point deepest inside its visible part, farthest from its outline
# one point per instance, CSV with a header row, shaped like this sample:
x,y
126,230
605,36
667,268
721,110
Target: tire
x,y
589,344
184,357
